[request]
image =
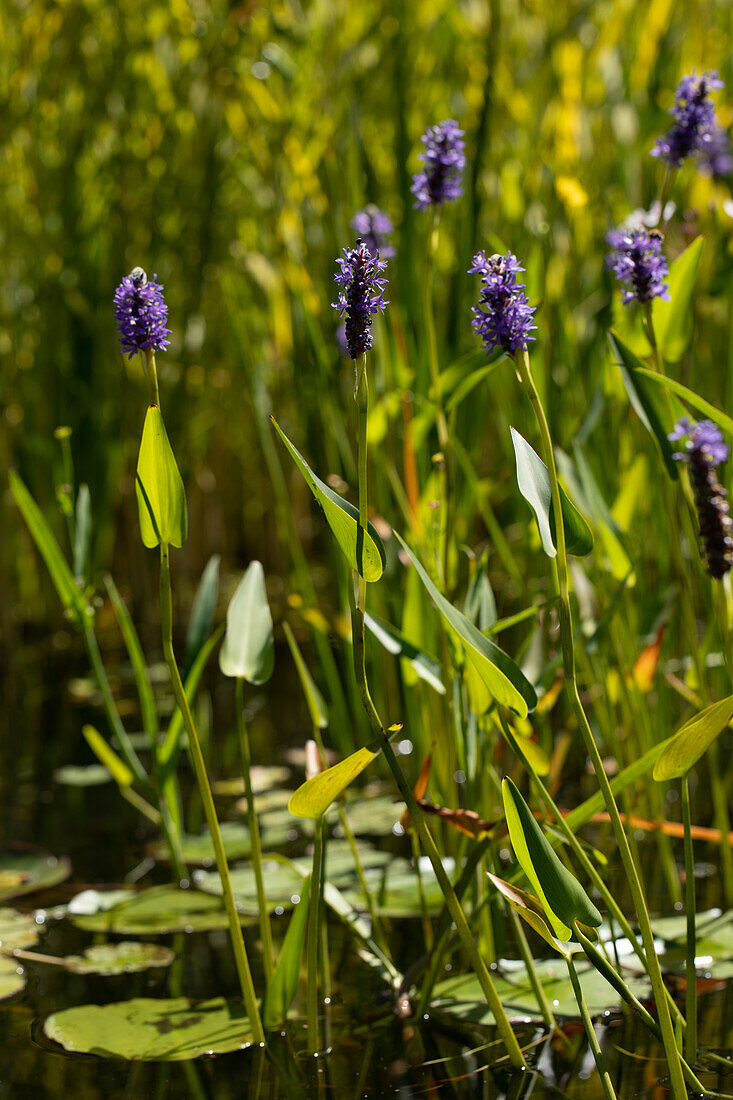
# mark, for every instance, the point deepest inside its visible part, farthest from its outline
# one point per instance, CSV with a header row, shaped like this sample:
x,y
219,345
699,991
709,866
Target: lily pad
x,y
282,884
145,1029
17,929
24,870
88,775
462,996
12,977
374,816
199,850
119,958
158,911
263,778
394,890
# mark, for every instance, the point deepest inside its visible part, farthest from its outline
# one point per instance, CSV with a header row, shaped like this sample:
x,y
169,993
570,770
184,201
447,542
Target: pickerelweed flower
x,y
638,263
374,228
694,115
443,160
704,450
503,317
141,313
361,295
715,156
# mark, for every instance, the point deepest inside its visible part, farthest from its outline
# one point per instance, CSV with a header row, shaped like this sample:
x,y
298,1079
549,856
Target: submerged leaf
x,y
341,517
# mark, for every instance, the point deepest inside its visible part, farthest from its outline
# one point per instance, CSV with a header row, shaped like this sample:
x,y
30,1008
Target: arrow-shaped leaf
x,y
161,498
249,646
693,739
534,485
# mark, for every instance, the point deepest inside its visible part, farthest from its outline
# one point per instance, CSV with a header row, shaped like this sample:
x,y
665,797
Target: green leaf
x,y
248,651
283,880
313,797
137,658
127,957
563,898
283,985
691,740
74,775
529,910
692,398
673,319
161,498
426,668
468,385
648,403
494,671
314,700
202,613
198,850
12,977
147,1029
534,485
342,517
48,547
23,871
107,756
17,929
82,531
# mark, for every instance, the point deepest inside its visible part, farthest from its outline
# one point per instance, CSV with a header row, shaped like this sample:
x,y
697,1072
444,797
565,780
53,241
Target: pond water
x,y
373,1050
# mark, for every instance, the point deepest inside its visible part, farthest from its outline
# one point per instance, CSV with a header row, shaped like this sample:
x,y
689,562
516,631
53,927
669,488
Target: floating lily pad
x,y
90,775
17,929
24,870
119,958
394,890
713,942
12,977
88,902
198,850
282,884
462,996
374,816
263,778
157,911
148,1030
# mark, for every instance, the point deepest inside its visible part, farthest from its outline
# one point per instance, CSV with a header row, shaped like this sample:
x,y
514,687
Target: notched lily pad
x,y
157,911
145,1029
24,870
17,929
12,977
119,958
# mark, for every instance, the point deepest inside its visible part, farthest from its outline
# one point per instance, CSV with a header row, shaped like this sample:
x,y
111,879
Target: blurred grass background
x,y
226,148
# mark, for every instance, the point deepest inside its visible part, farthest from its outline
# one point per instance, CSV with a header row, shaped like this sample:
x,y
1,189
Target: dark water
x,y
372,1052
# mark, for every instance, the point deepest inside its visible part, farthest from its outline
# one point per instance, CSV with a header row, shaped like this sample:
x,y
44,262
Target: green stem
x,y
590,1031
427,928
254,833
690,970
571,685
418,820
197,759
313,928
151,373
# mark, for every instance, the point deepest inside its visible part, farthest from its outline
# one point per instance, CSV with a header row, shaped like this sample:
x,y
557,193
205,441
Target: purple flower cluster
x,y
638,263
503,317
704,451
374,228
360,295
443,160
141,313
694,115
715,158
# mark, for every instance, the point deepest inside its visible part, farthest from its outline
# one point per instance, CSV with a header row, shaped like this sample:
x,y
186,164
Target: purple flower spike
x,y
503,317
374,228
360,295
694,115
638,263
715,156
141,313
443,160
704,451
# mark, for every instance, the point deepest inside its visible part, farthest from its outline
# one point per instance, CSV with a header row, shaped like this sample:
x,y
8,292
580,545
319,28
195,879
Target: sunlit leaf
x,y
17,929
496,673
157,911
313,797
562,897
126,957
341,517
529,910
25,870
692,398
161,497
147,1029
534,485
692,740
249,644
107,756
426,668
